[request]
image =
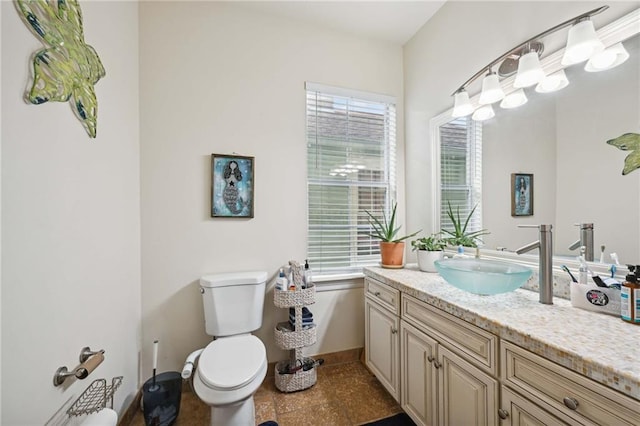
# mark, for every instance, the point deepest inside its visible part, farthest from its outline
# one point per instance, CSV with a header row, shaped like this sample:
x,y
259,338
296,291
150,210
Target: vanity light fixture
x,y
462,106
609,58
582,43
553,82
529,70
582,38
483,113
514,99
491,90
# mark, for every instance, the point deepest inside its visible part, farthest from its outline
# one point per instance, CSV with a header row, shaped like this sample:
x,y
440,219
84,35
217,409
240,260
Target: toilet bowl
x,y
230,370
232,367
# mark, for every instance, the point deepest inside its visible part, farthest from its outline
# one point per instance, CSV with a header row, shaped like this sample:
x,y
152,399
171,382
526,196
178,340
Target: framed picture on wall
x,y
521,194
232,186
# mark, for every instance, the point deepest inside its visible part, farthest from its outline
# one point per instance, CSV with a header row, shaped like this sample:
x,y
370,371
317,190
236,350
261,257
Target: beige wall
x,y
70,221
218,78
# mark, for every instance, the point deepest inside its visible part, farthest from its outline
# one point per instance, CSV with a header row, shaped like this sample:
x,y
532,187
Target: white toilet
x,y
232,367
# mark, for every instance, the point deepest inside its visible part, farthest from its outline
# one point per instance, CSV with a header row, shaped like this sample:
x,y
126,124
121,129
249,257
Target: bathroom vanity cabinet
x,y
382,338
561,393
448,366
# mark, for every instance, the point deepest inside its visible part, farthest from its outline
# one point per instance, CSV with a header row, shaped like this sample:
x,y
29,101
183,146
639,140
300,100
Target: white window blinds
x,y
351,168
461,171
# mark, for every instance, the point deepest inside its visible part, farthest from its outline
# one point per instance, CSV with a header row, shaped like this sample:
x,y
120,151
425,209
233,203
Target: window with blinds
x,y
350,168
461,171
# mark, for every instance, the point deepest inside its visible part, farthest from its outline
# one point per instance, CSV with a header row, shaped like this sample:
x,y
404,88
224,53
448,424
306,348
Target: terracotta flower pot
x,y
392,255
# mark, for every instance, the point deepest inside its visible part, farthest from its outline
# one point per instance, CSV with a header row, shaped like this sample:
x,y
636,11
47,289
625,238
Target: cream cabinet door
x,y
468,396
517,411
418,375
382,346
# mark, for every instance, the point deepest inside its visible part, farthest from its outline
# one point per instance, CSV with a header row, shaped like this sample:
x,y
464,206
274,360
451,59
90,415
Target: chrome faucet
x,y
545,261
586,240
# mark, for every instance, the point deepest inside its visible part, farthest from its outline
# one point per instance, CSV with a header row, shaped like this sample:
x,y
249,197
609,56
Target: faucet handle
x,y
584,225
542,227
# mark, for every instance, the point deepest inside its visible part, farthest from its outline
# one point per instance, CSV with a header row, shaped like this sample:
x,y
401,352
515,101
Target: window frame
x,y
389,146
436,171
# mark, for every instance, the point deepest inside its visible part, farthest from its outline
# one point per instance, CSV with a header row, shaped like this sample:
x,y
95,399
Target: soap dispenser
x,y
306,277
629,297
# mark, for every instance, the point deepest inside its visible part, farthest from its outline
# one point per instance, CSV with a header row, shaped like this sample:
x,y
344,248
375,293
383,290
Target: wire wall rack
x,y
95,397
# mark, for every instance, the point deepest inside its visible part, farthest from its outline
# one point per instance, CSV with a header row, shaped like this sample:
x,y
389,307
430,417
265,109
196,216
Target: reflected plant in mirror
x,y
460,235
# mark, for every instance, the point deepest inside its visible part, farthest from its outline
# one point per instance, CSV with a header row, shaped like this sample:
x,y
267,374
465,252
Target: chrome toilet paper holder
x,y
89,360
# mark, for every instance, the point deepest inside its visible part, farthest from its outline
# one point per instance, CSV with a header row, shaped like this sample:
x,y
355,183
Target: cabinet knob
x,y
376,293
571,403
503,414
394,330
436,364
430,358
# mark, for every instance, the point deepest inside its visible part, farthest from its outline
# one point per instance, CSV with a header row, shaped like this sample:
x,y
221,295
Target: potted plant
x,y
429,249
391,246
459,236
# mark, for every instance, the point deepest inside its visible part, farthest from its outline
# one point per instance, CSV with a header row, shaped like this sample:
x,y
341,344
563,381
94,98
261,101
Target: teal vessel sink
x,y
483,276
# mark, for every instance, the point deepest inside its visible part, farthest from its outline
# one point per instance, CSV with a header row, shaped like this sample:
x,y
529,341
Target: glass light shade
x,y
609,58
462,105
491,90
529,70
485,112
514,99
582,43
553,82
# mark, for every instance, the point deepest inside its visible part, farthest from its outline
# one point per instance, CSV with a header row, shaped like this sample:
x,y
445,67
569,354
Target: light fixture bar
x,y
519,47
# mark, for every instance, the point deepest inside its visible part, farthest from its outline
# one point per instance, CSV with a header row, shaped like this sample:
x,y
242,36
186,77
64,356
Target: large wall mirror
x,y
560,138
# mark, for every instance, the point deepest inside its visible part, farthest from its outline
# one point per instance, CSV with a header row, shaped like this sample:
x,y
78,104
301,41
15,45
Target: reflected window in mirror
x,y
461,171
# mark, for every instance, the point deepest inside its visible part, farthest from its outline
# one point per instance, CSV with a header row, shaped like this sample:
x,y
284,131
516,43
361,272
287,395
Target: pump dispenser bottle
x,y
281,281
306,278
630,297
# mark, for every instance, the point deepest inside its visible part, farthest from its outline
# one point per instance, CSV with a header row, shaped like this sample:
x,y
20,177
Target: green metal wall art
x,y
67,68
628,142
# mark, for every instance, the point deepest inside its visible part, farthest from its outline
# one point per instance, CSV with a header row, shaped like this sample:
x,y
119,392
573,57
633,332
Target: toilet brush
x,y
154,387
152,397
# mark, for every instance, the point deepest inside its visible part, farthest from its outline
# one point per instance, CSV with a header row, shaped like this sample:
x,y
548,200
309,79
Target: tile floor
x,y
345,394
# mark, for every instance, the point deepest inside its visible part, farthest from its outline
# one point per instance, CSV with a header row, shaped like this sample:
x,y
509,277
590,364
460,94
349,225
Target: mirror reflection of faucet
x,y
586,240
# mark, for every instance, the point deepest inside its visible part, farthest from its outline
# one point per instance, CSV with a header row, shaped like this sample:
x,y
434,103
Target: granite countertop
x,y
599,346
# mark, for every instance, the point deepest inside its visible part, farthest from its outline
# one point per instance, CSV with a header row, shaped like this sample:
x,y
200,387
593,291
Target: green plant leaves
x,y
387,231
459,236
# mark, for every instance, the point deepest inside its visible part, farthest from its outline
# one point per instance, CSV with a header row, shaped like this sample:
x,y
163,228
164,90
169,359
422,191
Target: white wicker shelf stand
x,y
294,341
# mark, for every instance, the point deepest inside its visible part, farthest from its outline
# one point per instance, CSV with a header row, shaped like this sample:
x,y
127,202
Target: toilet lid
x,y
231,362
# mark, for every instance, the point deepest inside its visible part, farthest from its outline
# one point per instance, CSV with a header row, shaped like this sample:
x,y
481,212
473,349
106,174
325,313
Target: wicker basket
x,y
291,298
294,382
295,339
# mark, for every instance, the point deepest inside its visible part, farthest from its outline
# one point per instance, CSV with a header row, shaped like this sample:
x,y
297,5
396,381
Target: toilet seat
x,y
232,362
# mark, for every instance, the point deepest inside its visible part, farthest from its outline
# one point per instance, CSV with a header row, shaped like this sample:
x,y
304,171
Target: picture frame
x,y
232,186
521,194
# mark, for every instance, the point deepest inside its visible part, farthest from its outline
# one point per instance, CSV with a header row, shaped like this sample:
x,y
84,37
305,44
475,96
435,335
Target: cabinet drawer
x,y
383,294
474,344
568,392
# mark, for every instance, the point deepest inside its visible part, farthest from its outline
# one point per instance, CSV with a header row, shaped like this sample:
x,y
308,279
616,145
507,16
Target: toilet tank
x,y
233,302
